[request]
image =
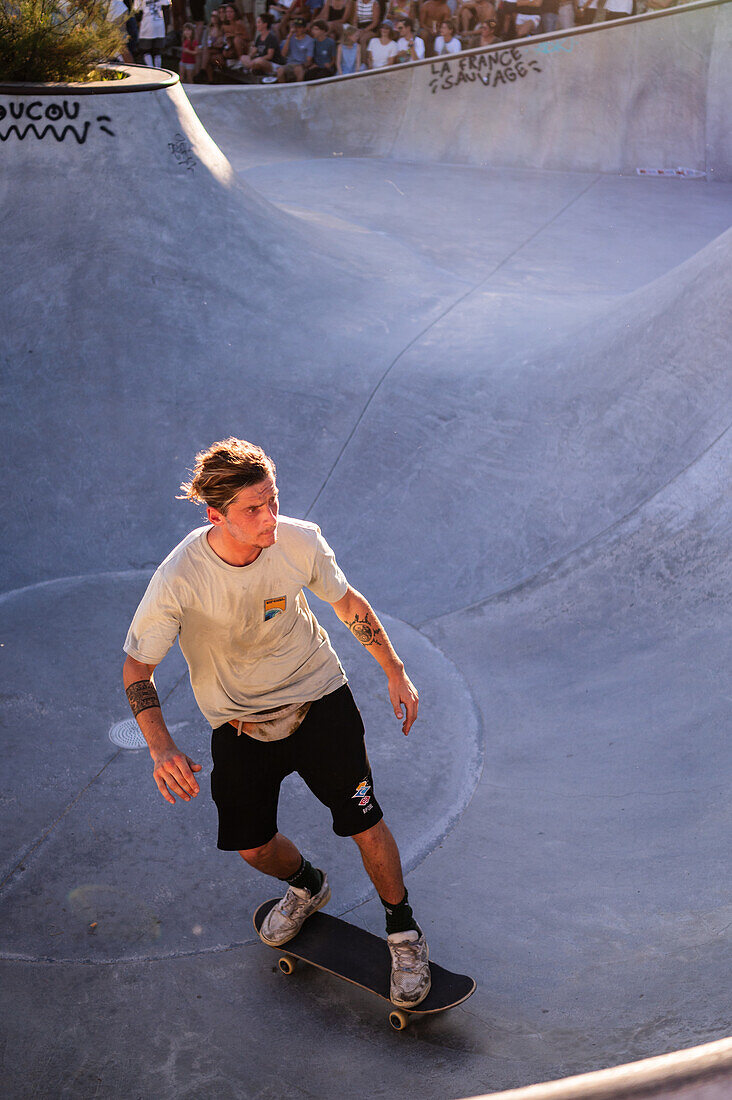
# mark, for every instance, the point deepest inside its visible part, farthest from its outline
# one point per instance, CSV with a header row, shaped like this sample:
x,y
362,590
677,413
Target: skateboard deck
x,y
363,959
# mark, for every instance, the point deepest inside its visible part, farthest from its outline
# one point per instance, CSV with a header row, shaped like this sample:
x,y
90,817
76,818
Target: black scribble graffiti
x,y
182,152
490,69
30,114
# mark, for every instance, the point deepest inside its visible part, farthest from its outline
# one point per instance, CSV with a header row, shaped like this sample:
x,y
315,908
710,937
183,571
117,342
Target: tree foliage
x,y
54,41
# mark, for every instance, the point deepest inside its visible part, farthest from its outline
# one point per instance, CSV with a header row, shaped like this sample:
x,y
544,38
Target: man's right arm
x,y
172,769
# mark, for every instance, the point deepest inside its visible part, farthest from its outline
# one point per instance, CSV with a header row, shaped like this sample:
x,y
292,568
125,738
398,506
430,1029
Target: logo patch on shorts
x,y
274,607
363,797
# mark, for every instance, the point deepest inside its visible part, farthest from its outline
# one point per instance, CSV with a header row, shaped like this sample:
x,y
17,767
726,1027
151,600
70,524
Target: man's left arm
x,y
360,618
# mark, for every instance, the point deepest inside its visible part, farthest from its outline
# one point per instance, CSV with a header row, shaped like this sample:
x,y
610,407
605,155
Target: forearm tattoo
x,y
366,632
142,696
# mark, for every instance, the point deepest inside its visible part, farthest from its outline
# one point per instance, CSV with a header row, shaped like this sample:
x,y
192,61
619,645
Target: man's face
x,y
318,33
445,31
251,518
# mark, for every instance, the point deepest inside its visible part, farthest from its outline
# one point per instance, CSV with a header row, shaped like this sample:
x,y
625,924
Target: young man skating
x,y
267,679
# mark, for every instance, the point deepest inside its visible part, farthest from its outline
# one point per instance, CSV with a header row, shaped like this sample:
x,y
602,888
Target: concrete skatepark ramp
x,y
495,370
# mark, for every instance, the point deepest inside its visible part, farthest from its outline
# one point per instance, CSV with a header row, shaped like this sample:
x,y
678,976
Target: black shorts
x,y
151,45
327,750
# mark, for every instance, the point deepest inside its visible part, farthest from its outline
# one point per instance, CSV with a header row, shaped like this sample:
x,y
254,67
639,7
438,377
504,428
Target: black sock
x,y
306,877
399,918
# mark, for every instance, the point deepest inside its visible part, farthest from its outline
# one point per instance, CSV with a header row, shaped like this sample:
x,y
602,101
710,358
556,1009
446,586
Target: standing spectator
x,y
618,9
297,51
264,54
324,53
188,51
431,14
152,30
409,47
550,15
118,12
528,17
368,16
348,58
565,15
382,50
198,16
446,42
336,13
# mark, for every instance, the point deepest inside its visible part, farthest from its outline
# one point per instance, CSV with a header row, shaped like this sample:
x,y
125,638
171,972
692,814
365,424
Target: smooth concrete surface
x,y
504,393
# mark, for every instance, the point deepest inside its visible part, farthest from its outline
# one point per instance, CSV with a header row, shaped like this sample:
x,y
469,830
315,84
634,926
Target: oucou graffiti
x,y
490,69
41,120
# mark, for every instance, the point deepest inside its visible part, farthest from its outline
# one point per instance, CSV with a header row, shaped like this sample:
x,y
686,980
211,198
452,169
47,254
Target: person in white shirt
x,y
446,41
382,50
409,47
267,679
152,30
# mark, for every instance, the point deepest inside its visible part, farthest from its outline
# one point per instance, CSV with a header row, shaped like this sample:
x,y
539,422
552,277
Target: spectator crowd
x,y
293,40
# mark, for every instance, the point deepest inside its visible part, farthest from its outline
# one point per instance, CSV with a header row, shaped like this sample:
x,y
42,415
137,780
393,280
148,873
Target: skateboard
x,y
359,957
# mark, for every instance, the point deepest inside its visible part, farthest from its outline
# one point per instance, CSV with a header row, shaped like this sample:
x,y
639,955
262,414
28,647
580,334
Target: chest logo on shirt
x,y
274,607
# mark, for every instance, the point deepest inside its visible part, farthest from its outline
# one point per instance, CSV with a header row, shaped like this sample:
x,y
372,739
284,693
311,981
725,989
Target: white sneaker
x,y
286,918
410,971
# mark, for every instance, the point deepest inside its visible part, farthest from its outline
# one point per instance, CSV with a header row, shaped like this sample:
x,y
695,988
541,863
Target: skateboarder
x,y
265,676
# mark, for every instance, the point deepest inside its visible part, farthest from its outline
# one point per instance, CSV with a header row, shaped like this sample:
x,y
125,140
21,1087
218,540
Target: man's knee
x,y
256,856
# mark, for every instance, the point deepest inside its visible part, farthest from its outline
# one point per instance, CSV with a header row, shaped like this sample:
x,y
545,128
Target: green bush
x,y
52,41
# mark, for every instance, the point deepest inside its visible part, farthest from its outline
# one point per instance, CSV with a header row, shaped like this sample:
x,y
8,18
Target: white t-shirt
x,y
382,54
403,47
250,640
453,46
153,22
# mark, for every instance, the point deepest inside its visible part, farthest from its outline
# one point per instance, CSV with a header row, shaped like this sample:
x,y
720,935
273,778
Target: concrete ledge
x,y
665,1076
138,78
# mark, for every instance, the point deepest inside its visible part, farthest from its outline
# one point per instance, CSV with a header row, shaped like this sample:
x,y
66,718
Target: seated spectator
x,y
431,14
236,33
214,44
397,10
297,51
473,12
337,13
290,10
487,33
382,50
409,47
368,17
324,53
446,42
348,58
264,55
528,17
188,51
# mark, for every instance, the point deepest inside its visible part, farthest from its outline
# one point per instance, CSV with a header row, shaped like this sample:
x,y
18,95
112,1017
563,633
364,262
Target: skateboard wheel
x,y
286,964
398,1020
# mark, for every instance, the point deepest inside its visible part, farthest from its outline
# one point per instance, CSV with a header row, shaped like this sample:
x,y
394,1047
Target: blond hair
x,y
223,470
